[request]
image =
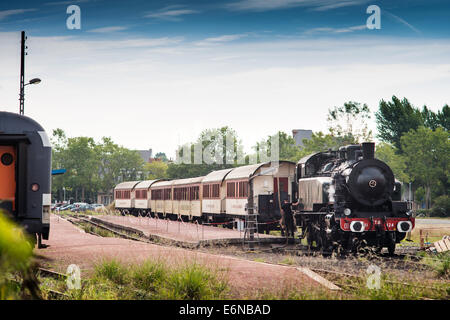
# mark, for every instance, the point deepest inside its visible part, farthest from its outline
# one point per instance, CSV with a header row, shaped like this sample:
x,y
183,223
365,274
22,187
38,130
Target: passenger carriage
x,y
214,194
124,196
187,197
272,183
161,197
142,201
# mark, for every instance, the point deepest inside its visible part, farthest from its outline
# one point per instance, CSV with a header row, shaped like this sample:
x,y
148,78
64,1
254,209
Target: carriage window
x,y
206,191
231,189
243,189
215,190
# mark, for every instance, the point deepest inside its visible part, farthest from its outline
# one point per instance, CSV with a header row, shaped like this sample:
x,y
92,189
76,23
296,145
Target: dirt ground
x,y
70,245
180,231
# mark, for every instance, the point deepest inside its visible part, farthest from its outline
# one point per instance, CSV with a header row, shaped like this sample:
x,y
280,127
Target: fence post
x,y
421,240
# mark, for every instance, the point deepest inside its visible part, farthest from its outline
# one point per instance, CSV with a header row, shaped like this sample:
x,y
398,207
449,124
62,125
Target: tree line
x,y
414,142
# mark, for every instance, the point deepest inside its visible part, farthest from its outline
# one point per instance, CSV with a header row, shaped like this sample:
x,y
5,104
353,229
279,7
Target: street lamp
x,y
33,81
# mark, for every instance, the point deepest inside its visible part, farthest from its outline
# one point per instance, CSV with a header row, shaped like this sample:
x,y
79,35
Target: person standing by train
x,y
289,225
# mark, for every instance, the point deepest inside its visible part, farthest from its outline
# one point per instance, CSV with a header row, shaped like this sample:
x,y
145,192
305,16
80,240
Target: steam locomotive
x,y
348,200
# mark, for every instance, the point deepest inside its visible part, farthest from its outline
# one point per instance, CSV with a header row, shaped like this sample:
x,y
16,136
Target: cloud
x,y
265,5
108,29
206,87
335,30
6,13
220,39
68,2
171,13
402,21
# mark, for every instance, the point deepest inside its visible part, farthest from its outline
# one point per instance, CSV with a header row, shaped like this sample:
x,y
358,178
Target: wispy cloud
x,y
402,21
68,2
108,29
335,30
171,13
265,5
220,39
6,13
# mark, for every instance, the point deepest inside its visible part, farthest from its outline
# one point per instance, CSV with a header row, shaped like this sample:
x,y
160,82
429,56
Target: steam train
x,y
350,200
25,173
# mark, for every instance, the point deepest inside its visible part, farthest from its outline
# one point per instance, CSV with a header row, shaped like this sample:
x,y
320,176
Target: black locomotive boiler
x,y
25,173
349,199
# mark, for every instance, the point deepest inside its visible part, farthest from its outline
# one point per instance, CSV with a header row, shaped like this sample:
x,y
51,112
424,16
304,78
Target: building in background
x,y
146,155
300,134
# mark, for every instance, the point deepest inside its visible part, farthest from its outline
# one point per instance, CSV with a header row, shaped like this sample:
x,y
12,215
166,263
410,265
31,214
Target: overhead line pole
x,y
22,75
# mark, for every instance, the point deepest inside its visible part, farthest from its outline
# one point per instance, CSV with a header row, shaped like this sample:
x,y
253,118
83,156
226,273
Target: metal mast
x,y
22,74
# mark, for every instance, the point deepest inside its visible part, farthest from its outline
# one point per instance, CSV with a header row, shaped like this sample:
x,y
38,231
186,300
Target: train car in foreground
x,y
350,200
25,173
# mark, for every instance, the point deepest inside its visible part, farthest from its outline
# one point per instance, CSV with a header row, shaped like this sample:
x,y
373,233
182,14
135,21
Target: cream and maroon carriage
x,y
161,198
214,195
187,198
272,183
142,202
124,196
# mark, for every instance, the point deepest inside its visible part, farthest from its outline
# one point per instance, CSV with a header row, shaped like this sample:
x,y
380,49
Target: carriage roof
x,y
216,176
145,184
127,185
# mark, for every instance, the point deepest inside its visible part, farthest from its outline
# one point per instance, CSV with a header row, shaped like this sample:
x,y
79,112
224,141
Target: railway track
x,y
54,275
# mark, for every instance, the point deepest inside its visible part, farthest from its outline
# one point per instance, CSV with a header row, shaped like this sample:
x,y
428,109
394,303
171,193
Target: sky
x,y
154,74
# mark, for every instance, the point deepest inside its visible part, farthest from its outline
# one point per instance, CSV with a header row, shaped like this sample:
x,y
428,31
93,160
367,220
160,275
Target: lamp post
x,y
22,76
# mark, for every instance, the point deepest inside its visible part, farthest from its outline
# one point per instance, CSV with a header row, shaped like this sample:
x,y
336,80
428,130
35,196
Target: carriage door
x,y
8,178
284,189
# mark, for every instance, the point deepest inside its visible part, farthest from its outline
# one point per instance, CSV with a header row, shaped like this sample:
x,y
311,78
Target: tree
x,y
350,122
215,149
389,154
162,156
427,157
287,149
156,170
91,166
81,162
434,120
396,118
320,142
118,164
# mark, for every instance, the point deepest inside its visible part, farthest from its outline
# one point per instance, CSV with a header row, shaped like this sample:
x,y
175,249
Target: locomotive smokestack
x,y
368,149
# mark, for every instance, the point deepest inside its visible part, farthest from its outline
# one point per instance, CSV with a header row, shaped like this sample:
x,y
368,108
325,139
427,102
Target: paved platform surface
x,y
176,230
443,223
71,245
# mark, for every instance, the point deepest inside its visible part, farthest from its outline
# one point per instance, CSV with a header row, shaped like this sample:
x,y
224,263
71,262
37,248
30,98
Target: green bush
x,y
423,213
441,206
15,256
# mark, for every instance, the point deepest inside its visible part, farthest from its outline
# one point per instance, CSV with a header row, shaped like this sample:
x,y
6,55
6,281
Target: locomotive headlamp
x,y
404,226
347,211
357,226
34,187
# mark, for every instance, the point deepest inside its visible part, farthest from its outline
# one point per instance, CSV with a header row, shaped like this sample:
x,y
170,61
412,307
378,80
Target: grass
x,y
96,230
288,260
153,280
439,262
16,249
